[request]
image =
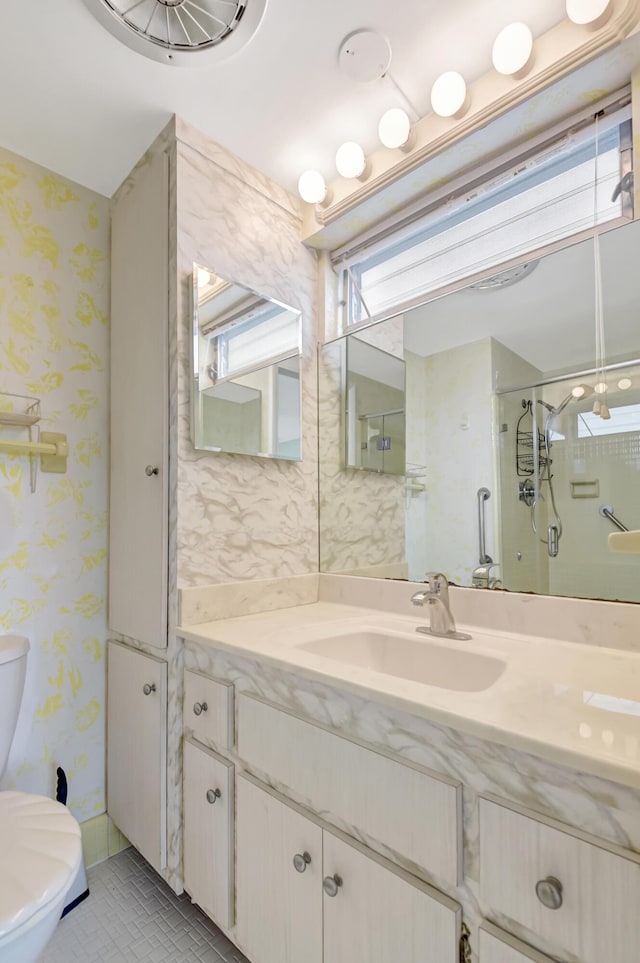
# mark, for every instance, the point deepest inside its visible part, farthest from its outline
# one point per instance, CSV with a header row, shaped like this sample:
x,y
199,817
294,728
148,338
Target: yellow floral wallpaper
x,y
54,303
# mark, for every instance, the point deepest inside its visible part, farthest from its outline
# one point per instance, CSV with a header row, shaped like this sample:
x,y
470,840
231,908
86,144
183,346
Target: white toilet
x,y
40,845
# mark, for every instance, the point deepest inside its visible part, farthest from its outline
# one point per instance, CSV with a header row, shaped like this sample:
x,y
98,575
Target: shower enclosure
x,y
567,478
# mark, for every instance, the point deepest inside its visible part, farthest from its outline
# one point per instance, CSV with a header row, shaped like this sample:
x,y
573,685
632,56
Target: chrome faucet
x,y
436,595
481,577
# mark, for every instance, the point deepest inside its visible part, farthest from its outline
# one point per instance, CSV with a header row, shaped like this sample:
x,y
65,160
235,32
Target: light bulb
x,y
589,13
578,392
350,160
600,388
394,128
449,94
512,49
624,384
311,187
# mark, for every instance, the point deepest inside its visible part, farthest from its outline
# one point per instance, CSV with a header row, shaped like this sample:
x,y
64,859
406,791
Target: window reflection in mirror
x,y
477,361
246,371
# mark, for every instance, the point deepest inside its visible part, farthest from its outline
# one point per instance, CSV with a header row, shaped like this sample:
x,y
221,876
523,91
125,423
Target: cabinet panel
x,y
600,890
497,947
413,813
377,915
136,749
279,910
208,708
208,832
139,408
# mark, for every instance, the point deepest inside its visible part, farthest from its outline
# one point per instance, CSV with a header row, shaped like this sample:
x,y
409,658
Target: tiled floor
x,y
131,916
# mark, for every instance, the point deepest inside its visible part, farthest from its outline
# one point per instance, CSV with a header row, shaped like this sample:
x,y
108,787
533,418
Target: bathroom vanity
x,y
493,818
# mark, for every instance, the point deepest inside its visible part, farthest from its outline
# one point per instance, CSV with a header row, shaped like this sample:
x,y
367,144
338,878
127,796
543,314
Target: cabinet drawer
x,y
498,947
208,832
208,708
599,893
402,807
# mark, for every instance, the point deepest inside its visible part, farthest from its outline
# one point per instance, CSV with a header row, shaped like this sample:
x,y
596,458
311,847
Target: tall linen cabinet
x,y
181,518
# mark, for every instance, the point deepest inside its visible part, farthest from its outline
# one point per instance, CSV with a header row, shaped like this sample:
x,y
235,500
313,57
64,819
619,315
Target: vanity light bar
x,y
512,56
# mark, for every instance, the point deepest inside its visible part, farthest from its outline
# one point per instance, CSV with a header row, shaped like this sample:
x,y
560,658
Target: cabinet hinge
x,y
465,944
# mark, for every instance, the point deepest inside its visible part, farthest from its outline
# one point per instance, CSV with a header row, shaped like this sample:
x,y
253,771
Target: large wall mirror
x,y
511,479
246,371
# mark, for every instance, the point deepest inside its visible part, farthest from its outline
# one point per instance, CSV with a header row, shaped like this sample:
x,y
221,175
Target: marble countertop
x,y
576,705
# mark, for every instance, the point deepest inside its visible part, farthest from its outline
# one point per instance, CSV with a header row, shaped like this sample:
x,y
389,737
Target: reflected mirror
x,y
511,479
374,407
246,371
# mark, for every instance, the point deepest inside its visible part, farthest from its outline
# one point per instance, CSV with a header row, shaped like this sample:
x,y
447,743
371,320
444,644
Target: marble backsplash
x,y
608,624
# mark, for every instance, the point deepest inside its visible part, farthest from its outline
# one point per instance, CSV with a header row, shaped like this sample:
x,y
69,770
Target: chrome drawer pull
x,y
213,795
148,689
549,892
199,708
331,884
301,861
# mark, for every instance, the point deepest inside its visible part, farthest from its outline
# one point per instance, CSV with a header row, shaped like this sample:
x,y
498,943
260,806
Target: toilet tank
x,y
13,666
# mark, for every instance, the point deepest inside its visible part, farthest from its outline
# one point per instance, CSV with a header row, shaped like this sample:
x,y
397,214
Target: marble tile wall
x,y
240,517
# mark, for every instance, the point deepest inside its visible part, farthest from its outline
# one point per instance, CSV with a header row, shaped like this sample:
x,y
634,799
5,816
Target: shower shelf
x,y
525,455
23,411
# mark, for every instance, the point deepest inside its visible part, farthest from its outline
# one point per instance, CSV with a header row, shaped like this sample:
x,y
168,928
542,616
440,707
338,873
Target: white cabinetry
x,y
136,744
208,709
279,909
208,832
497,947
560,884
302,888
411,812
138,541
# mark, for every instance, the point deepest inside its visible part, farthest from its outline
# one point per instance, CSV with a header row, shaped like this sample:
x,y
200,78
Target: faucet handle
x,y
437,582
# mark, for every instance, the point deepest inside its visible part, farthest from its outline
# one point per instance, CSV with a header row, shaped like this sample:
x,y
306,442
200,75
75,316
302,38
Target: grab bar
x,y
607,512
483,495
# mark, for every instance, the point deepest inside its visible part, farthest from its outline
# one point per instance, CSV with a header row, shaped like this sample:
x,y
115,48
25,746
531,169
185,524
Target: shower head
x,y
576,394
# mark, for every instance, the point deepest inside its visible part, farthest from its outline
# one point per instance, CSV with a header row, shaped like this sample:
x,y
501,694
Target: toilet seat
x,y
40,854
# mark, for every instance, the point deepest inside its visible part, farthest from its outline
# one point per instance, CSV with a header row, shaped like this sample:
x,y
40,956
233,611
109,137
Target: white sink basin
x,y
419,660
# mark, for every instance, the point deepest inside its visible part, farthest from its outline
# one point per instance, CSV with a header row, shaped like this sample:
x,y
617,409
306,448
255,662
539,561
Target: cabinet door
x,y
278,908
139,408
136,749
498,947
208,832
379,913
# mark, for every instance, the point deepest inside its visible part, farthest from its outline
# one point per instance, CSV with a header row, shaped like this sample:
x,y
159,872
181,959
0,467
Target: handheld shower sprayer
x,y
554,530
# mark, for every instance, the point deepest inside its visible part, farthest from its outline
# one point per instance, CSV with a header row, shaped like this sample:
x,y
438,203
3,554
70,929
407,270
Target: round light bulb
x,y
448,94
394,128
578,391
624,384
589,13
350,159
512,49
311,187
600,388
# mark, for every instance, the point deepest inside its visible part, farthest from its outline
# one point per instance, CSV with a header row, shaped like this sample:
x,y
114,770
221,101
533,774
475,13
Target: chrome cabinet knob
x,y
151,470
148,689
213,795
331,884
549,892
199,708
301,861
